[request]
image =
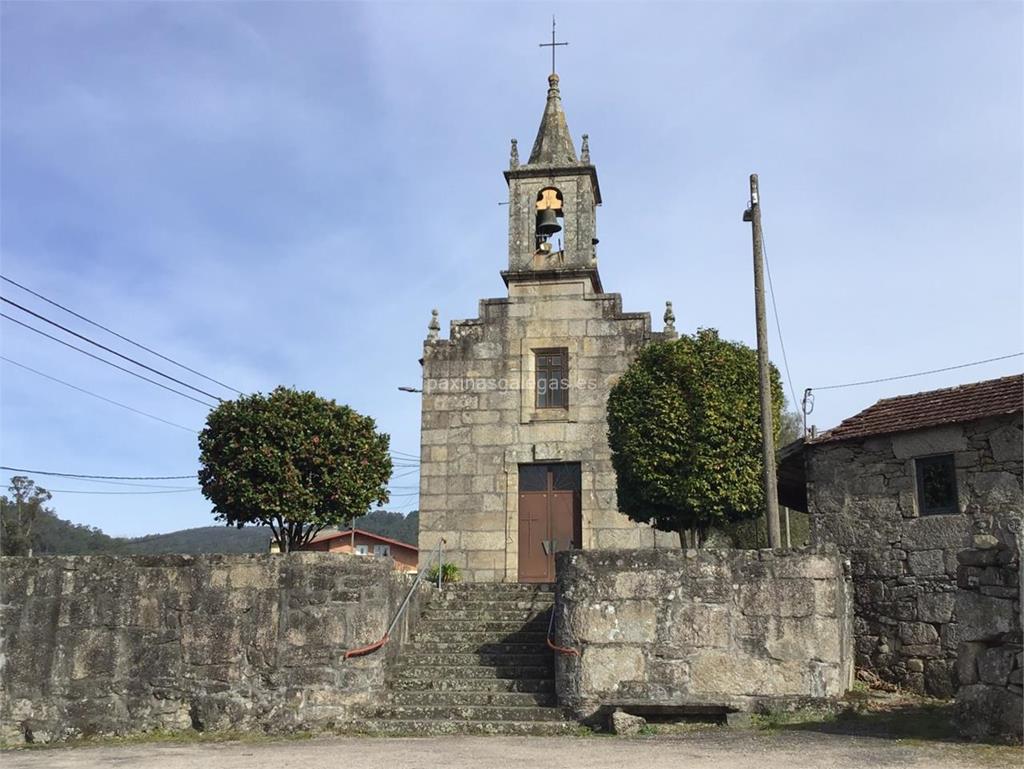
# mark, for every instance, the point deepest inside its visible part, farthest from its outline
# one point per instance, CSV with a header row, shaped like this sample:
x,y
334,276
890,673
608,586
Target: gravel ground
x,y
704,749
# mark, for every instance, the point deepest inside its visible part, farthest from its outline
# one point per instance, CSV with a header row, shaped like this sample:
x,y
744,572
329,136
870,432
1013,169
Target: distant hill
x,y
404,528
205,539
55,536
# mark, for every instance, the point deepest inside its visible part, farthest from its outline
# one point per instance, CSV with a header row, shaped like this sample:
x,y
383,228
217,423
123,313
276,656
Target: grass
x,y
863,712
159,736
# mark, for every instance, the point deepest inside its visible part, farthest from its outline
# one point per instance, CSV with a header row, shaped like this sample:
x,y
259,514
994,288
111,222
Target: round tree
x,y
684,430
292,461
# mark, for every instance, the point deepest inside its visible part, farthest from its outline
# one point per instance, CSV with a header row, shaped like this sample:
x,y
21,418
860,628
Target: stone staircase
x,y
477,664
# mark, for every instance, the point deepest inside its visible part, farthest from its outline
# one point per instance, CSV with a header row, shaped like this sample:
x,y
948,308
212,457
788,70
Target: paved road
x,y
707,749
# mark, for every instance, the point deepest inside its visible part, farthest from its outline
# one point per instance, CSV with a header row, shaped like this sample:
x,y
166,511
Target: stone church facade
x,y
515,464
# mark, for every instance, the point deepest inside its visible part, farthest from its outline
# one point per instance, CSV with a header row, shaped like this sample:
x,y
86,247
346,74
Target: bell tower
x,y
552,200
514,467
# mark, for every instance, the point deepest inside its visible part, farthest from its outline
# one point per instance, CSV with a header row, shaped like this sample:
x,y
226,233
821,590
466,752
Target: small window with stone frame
x,y
552,379
936,485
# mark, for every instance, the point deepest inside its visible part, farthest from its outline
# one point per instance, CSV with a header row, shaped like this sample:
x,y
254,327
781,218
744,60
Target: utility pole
x,y
771,495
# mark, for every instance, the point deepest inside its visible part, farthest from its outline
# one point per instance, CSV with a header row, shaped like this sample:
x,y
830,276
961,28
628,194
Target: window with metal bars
x,y
936,485
552,388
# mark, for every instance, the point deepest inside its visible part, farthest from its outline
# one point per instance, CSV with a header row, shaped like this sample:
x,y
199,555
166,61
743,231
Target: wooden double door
x,y
550,517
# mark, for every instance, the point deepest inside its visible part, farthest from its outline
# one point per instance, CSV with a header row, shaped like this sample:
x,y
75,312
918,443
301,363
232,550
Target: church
x,y
515,463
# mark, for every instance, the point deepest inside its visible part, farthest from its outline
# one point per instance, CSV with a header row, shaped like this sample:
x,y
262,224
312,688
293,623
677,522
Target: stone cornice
x,y
536,276
553,172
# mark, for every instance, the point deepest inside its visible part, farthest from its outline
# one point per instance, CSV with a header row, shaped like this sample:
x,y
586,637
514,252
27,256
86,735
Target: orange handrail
x,y
367,649
360,651
552,645
562,649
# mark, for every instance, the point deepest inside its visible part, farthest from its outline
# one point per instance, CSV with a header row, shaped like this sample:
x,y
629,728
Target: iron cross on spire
x,y
552,45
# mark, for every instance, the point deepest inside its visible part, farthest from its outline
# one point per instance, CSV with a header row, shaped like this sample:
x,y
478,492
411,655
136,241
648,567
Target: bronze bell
x,y
547,222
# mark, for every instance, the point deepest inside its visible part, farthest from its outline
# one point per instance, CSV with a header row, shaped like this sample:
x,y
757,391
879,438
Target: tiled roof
x,y
935,407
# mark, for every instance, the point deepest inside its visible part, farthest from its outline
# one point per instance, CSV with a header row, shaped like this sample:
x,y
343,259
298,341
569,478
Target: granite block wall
x,y
862,498
111,645
728,630
990,656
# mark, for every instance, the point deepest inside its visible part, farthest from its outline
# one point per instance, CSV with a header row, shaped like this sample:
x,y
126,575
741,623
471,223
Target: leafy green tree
x,y
752,533
18,514
684,430
292,461
404,528
789,428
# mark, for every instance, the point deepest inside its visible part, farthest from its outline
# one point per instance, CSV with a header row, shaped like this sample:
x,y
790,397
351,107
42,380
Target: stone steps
x,y
466,672
506,590
462,647
478,663
497,699
426,684
446,635
440,603
486,615
474,659
382,727
536,624
461,712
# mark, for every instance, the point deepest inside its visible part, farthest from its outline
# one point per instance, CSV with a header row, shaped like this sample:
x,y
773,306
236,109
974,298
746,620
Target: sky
x,y
279,193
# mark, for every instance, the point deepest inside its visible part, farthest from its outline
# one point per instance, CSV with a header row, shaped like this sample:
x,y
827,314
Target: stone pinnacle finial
x,y
585,149
670,322
553,145
513,160
434,326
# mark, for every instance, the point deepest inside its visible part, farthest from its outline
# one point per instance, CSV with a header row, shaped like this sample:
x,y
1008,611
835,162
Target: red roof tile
x,y
935,407
329,535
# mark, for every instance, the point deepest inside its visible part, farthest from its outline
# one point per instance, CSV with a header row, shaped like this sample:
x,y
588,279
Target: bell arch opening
x,y
550,218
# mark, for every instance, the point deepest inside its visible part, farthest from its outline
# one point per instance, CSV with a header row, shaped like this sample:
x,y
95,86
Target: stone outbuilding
x,y
515,464
901,488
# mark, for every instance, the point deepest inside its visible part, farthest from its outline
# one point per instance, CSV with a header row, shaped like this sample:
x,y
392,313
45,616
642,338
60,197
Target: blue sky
x,y
278,193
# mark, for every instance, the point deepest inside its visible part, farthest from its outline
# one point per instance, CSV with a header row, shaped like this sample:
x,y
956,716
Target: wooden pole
x,y
771,495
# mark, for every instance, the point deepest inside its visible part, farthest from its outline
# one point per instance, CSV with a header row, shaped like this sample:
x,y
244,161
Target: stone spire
x,y
553,145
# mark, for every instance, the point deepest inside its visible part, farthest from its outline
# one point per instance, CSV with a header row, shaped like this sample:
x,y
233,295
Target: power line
x,y
76,491
136,485
405,508
119,336
919,373
95,395
778,323
67,330
101,477
104,360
